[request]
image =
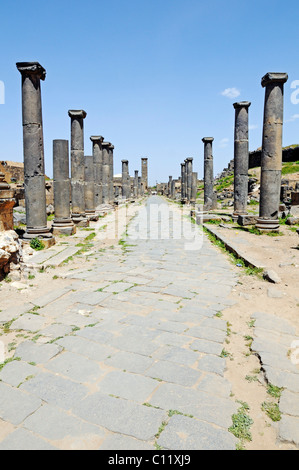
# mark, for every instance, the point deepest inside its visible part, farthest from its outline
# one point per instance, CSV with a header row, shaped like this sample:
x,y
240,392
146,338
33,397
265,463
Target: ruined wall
x,y
288,155
12,170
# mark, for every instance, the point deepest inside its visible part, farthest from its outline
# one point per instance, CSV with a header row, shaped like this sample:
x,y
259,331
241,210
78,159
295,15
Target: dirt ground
x,y
279,253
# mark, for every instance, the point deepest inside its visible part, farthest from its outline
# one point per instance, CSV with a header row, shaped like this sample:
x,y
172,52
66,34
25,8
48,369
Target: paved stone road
x,y
131,357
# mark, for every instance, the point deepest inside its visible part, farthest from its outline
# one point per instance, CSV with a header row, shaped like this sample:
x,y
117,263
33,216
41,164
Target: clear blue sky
x,y
149,73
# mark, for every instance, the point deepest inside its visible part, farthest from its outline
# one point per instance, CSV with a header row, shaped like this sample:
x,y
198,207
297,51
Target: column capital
x,y
111,147
242,104
144,158
106,144
125,161
96,138
207,139
31,68
77,113
274,77
189,159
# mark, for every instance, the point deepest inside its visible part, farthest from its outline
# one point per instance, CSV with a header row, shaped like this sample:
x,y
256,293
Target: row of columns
x,y
91,183
271,158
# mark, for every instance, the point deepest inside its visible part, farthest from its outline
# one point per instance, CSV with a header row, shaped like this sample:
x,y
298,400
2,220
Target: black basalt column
x,y
125,180
111,174
208,173
33,148
62,223
78,167
89,188
97,153
189,170
241,158
136,183
183,182
194,187
106,172
271,158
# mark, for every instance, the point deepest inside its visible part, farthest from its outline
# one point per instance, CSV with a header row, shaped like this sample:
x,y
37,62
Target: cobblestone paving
x,y
130,356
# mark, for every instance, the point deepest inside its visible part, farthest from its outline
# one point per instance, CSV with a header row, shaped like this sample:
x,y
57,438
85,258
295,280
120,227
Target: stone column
x,y
125,180
241,158
33,146
111,174
193,188
89,188
139,186
183,182
105,172
62,224
136,184
208,173
169,193
189,168
144,172
97,152
271,158
173,192
78,168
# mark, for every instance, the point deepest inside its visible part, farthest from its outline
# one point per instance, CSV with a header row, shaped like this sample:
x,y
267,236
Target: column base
x,y
92,215
41,233
267,225
63,227
235,215
80,220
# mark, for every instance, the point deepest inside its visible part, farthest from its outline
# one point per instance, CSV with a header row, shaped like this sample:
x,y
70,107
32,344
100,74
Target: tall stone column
x,y
183,182
144,172
89,188
33,147
189,169
173,192
78,167
241,158
62,223
97,152
106,172
194,188
139,186
271,158
111,174
125,180
136,183
169,193
208,173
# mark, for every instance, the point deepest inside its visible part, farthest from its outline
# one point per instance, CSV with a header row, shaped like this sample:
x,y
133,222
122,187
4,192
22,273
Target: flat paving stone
x,y
127,385
183,433
75,367
21,439
29,351
55,390
14,312
16,372
130,362
202,405
29,322
67,431
89,349
289,429
121,442
169,372
121,416
15,405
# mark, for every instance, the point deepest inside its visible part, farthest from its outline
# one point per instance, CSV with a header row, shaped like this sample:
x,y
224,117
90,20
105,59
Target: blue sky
x,y
151,74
